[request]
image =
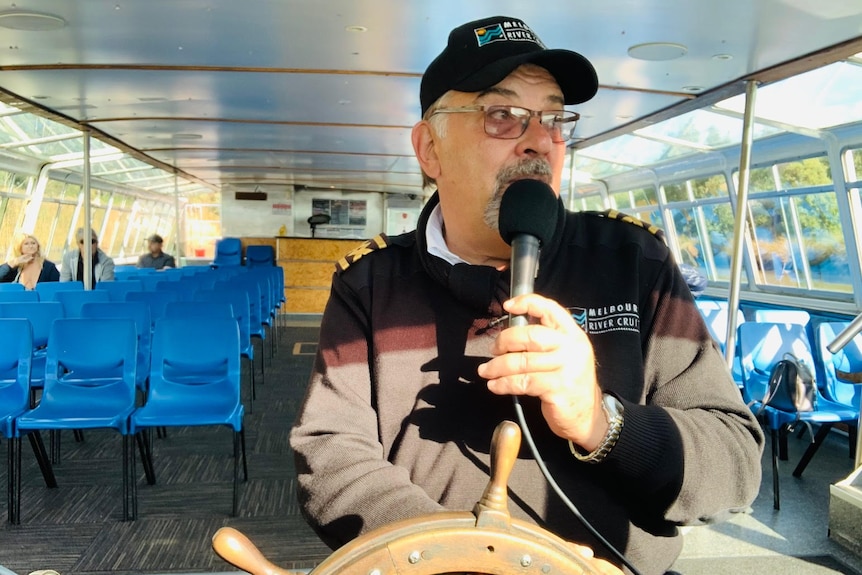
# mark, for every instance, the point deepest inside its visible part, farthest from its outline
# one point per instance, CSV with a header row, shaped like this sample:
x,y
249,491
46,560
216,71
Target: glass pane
x,y
785,256
712,187
676,192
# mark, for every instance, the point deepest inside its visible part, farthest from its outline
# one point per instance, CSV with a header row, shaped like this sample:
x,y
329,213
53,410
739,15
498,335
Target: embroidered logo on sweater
x,y
617,215
378,242
618,317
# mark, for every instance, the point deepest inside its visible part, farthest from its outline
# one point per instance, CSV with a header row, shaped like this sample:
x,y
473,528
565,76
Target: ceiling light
x,y
31,21
187,136
355,29
722,57
657,51
692,89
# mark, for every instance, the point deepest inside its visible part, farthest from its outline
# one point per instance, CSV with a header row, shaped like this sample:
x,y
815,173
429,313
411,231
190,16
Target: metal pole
x,y
740,222
87,250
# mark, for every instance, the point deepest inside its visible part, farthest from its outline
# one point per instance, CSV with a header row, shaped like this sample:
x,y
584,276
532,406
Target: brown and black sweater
x,y
396,422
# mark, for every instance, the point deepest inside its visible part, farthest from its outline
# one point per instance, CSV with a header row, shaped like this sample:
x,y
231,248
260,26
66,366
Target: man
x,y
72,267
156,258
626,395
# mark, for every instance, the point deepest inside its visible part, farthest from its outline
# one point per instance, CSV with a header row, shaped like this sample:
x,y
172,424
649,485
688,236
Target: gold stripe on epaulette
x,y
378,242
653,229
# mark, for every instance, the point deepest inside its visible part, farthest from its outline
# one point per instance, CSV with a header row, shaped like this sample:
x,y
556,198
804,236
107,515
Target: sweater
x,y
396,422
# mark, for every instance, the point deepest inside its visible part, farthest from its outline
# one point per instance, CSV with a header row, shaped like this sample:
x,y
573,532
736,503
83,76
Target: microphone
x,y
528,218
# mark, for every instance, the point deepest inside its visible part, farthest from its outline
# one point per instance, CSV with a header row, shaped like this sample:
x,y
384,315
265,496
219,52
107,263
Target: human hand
x,y
552,360
23,259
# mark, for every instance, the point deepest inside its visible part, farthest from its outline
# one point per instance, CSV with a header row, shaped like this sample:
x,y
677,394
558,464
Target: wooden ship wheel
x,y
485,542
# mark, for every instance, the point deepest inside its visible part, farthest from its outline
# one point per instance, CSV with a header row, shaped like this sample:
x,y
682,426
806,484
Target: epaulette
x,y
617,215
378,242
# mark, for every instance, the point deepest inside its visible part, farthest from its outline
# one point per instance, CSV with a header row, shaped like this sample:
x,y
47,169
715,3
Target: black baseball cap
x,y
155,238
481,53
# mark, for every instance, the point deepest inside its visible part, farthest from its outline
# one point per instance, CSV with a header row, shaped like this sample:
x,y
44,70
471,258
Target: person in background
x,y
626,395
72,268
28,267
156,258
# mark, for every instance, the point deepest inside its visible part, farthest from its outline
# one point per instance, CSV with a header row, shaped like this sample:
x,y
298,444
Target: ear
x,y
425,148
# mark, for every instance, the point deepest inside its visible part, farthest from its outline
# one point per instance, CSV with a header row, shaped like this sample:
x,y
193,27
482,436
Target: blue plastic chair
x,y
47,290
90,384
195,381
761,345
72,301
228,252
842,370
137,311
238,300
157,300
42,316
13,296
118,289
799,316
11,286
196,309
259,256
16,348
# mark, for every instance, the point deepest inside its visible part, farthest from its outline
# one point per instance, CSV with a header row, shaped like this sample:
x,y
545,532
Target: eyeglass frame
x,y
568,116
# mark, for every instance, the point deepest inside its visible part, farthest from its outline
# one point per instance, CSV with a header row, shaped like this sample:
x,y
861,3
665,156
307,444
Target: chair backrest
x,y
11,286
41,315
47,290
18,296
252,289
842,370
157,300
715,314
195,363
73,300
799,316
259,256
118,289
763,344
16,351
137,311
228,252
91,360
238,300
196,309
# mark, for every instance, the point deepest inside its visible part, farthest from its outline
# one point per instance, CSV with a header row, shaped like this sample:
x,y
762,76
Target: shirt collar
x,y
435,240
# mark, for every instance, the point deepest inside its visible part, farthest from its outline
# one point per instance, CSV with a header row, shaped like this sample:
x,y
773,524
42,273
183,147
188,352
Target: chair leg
x,y
141,438
42,458
819,438
130,494
776,499
853,434
244,462
782,443
236,456
13,480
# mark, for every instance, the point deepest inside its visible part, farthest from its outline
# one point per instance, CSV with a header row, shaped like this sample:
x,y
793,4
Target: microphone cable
x,y
522,421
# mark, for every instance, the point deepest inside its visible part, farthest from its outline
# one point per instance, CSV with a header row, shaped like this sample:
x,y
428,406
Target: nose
x,y
536,140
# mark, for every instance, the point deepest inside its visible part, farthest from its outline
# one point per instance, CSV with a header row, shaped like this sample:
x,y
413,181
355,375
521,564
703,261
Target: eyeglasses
x,y
94,242
510,122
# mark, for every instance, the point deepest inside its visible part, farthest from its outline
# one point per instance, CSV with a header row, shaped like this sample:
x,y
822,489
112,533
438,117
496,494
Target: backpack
x,y
791,386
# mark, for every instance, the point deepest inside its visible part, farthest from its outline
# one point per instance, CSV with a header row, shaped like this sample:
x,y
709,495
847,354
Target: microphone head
x,y
528,207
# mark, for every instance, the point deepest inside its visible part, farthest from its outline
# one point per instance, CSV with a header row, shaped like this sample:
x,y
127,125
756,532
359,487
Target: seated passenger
x,y
156,258
72,268
28,267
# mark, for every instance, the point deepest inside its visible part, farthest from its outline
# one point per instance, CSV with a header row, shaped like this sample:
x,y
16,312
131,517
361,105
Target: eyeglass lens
x,y
511,122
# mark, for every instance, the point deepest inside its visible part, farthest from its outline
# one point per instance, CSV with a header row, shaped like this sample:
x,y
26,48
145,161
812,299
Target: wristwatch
x,y
614,413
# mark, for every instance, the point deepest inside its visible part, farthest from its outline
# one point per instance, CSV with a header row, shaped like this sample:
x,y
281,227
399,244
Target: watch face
x,y
613,405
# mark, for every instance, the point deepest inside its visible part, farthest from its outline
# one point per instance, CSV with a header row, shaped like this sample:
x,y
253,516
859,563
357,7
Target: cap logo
x,y
513,30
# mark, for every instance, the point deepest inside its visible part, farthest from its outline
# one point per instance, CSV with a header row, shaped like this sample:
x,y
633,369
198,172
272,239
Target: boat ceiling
x,y
273,95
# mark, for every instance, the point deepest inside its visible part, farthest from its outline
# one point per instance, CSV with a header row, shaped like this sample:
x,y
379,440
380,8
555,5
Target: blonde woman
x,y
28,266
